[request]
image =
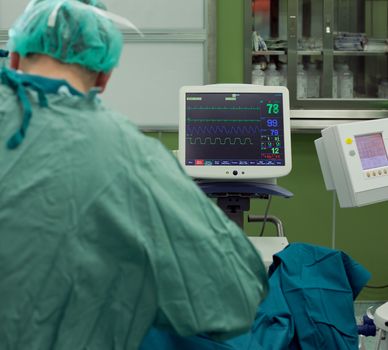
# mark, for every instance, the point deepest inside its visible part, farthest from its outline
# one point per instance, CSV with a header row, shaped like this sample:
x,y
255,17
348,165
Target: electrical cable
x,y
377,287
333,232
265,215
379,335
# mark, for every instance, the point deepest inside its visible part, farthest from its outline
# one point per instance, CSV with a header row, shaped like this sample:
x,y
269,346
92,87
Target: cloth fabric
x,y
310,304
4,58
18,82
69,33
103,235
4,53
309,307
160,340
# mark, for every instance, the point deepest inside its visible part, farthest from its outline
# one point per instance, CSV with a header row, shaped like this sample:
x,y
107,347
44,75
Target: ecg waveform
x,y
223,108
223,130
220,141
208,120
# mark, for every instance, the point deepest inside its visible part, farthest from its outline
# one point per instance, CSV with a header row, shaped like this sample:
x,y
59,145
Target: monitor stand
x,y
234,198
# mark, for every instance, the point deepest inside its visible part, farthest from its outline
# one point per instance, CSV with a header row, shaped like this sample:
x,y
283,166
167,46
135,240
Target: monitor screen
x,y
234,129
372,151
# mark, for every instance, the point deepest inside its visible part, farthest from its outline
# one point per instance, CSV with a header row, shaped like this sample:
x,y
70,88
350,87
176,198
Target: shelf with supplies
x,y
360,53
309,52
330,54
269,53
284,52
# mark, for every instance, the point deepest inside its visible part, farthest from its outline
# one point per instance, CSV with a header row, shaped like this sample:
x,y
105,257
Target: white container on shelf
x,y
345,82
338,68
255,41
313,80
383,89
301,82
335,84
283,74
272,76
258,76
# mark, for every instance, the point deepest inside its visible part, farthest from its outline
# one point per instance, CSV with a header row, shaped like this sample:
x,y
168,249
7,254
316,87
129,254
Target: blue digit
x,y
272,123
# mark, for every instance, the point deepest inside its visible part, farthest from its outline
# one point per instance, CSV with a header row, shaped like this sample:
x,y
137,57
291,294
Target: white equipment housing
x,y
268,247
354,161
235,132
381,322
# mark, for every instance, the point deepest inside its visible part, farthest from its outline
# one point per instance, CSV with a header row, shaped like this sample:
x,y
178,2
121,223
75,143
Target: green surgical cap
x,y
69,32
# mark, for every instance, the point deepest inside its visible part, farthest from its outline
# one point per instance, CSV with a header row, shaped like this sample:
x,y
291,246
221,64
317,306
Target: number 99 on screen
x,y
272,123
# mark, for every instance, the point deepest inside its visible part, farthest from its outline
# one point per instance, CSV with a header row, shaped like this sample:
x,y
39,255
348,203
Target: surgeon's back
x,y
102,236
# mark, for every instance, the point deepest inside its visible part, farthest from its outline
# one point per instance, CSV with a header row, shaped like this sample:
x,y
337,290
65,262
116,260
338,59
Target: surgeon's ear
x,y
102,80
14,62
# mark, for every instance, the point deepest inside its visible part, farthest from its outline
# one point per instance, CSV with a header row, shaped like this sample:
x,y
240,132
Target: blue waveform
x,y
222,129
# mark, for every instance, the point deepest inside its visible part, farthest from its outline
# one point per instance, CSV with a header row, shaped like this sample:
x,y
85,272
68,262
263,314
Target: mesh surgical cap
x,y
69,31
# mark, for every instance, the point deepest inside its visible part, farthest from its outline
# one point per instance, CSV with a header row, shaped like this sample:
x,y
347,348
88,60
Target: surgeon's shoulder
x,y
143,150
121,123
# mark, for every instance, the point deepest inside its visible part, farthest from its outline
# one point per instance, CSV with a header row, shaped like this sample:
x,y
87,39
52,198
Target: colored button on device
x,y
349,141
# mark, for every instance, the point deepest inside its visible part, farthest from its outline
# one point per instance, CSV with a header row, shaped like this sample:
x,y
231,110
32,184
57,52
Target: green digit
x,y
269,105
276,108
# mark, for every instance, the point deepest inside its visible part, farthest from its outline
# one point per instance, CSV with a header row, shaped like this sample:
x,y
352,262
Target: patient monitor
x,y
354,161
234,132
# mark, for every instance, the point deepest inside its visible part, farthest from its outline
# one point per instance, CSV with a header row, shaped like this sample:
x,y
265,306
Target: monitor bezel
x,y
229,172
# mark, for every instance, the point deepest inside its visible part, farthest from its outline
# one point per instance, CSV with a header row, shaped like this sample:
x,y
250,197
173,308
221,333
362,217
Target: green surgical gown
x,y
102,235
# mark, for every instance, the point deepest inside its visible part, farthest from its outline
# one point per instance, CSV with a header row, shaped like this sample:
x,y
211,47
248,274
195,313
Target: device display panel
x,y
234,129
372,151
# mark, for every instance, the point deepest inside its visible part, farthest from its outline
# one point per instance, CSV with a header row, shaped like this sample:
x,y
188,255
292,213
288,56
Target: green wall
x,y
230,45
307,217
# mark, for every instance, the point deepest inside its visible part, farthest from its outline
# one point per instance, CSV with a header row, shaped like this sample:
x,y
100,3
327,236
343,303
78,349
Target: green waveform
x,y
223,108
219,141
207,120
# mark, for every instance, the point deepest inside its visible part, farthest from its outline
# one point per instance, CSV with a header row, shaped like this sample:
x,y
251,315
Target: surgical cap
x,y
68,31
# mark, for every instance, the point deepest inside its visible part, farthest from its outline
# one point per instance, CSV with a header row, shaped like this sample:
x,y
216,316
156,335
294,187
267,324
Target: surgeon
x,y
102,235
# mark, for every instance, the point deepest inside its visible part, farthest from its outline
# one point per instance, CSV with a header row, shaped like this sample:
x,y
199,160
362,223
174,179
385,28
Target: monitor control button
x,y
235,172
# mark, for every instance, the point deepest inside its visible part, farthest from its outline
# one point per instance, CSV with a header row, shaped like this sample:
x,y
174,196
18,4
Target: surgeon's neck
x,y
45,66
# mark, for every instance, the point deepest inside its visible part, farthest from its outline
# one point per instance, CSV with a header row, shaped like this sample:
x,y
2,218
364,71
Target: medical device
x,y
234,139
234,132
354,161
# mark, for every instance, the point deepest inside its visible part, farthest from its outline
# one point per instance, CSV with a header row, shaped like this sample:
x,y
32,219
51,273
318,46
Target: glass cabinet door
x,y
309,49
331,54
360,48
269,42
